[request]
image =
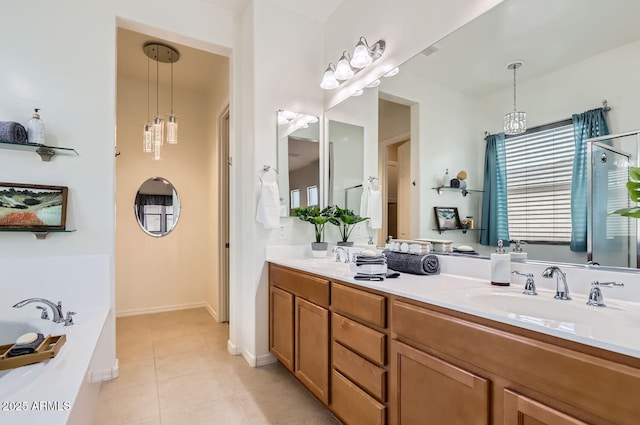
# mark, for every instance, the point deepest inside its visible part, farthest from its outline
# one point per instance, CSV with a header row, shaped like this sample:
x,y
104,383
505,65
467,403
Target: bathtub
x,y
62,390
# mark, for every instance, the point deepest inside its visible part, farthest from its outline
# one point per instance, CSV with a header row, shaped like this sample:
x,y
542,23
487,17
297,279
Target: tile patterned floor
x,y
175,369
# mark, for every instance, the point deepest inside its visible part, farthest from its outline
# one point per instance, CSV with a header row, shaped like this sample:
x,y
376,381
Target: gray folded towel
x,y
12,132
19,350
412,263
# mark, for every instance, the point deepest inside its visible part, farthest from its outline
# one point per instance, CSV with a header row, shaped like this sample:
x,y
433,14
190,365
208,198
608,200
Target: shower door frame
x,y
590,143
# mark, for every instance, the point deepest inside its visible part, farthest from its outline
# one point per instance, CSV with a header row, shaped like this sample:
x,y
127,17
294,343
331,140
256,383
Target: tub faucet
x,y
58,316
562,291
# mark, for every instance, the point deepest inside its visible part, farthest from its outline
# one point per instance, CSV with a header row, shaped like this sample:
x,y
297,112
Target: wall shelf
x,y
39,234
464,192
456,230
45,152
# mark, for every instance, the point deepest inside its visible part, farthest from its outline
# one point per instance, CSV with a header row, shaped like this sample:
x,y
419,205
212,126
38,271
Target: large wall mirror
x,y
298,161
157,207
576,53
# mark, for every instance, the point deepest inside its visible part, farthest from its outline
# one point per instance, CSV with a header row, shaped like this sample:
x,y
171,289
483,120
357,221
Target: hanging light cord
x,y
172,85
514,88
157,85
148,89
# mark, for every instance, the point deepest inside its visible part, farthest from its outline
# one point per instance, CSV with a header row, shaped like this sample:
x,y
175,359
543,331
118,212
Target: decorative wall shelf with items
x,y
45,152
464,192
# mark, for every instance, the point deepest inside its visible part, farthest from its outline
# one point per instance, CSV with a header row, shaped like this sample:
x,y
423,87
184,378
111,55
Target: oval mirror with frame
x,y
157,207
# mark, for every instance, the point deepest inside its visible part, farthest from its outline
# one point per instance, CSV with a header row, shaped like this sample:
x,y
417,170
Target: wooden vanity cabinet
x,y
299,326
359,355
506,375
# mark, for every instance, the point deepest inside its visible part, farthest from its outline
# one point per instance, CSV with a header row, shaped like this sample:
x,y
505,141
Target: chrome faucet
x,y
595,296
562,291
337,251
530,285
58,316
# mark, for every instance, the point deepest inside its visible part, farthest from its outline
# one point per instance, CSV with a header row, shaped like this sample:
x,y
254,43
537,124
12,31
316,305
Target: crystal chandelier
x,y
515,122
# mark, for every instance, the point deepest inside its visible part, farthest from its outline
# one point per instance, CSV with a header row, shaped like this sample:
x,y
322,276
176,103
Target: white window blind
x,y
539,166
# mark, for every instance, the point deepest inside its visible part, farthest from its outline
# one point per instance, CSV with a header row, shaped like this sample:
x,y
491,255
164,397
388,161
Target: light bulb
x,y
289,115
361,55
156,150
147,138
329,80
172,130
311,119
158,130
343,69
357,92
282,119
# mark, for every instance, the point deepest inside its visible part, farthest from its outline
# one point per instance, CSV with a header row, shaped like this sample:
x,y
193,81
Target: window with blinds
x,y
539,166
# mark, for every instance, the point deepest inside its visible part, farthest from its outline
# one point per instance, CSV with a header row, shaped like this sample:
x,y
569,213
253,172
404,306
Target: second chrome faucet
x,y
562,289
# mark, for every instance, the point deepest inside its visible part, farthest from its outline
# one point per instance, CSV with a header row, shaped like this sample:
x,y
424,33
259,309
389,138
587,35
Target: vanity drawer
x,y
361,339
368,376
309,287
361,305
352,405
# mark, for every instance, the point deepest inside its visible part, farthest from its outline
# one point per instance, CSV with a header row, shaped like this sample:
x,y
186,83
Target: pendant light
x,y
515,122
165,54
147,136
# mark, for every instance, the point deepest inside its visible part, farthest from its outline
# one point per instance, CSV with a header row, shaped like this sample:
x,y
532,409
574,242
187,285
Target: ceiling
x,y
194,70
318,10
547,35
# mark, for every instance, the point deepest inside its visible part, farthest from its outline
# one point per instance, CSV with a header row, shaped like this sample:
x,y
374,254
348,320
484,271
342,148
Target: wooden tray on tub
x,y
45,351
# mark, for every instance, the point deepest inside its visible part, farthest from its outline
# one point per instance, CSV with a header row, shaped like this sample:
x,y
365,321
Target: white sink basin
x,y
544,310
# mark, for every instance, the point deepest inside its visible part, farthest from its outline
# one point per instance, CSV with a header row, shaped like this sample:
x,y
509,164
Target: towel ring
x,y
265,169
371,180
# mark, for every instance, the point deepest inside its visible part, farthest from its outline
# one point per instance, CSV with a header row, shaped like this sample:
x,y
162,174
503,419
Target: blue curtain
x,y
586,125
495,224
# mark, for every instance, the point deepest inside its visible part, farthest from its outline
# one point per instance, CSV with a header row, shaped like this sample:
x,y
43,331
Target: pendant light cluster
x,y
515,122
348,66
155,132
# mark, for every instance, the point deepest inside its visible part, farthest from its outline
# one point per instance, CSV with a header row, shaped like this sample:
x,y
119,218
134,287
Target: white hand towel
x,y
375,209
269,206
364,200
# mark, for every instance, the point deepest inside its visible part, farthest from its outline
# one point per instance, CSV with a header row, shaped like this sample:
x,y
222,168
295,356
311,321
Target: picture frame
x,y
33,207
447,218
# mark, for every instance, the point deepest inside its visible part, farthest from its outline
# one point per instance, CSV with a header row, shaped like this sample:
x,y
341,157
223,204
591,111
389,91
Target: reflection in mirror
x,y
346,147
460,87
298,161
157,207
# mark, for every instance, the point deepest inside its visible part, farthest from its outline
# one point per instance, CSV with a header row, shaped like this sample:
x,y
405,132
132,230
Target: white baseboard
x,y
232,348
265,359
212,312
175,307
250,358
94,376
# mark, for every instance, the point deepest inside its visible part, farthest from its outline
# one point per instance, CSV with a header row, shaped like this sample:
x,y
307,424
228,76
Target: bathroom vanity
x,y
414,350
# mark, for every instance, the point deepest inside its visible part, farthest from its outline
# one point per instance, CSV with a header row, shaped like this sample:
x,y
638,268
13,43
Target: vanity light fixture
x,y
392,72
357,93
166,54
347,66
515,122
374,83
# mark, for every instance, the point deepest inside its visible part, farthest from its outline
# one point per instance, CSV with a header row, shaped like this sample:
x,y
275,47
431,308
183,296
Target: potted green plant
x,y
633,186
346,220
318,218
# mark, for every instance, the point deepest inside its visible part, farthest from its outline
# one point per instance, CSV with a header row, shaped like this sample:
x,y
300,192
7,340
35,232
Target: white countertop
x,y
615,327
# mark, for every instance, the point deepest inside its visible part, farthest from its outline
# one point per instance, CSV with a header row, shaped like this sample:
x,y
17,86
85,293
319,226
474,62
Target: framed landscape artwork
x,y
32,207
447,218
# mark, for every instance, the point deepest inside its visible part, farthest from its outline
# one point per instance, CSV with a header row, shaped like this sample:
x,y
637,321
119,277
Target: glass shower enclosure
x,y
612,240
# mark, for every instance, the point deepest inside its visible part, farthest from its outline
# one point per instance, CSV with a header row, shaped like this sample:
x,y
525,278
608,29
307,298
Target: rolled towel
x,y
21,349
12,132
413,263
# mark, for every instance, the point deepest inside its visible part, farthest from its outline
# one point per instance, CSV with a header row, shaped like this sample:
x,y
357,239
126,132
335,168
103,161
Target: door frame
x,y
224,162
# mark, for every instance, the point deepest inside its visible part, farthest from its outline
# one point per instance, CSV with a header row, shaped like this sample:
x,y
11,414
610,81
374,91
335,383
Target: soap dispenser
x,y
517,254
500,266
35,129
